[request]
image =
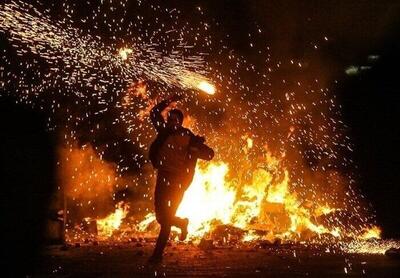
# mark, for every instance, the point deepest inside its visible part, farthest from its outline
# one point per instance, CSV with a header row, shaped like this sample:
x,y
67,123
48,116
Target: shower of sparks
x,y
74,57
372,246
282,160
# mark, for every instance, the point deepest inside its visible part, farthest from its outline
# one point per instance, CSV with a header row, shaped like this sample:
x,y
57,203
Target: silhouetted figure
x,y
174,154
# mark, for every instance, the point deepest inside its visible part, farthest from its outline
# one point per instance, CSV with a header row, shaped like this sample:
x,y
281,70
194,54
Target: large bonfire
x,y
252,204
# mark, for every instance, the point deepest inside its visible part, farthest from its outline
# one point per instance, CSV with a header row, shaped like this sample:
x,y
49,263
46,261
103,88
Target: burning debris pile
x,y
221,210
282,171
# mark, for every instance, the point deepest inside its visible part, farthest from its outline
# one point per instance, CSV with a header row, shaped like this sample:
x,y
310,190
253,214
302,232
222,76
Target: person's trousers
x,y
168,195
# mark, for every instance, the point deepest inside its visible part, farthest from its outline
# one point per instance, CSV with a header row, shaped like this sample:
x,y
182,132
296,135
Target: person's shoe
x,y
184,230
155,259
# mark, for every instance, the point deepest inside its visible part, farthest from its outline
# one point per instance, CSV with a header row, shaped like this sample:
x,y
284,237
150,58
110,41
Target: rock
x,y
77,245
393,253
139,244
95,243
140,253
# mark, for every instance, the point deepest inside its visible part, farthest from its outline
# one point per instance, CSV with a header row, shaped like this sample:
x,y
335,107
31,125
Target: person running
x,y
174,154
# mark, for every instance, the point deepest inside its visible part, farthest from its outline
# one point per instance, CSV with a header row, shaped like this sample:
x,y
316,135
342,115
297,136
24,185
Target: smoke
x,y
93,187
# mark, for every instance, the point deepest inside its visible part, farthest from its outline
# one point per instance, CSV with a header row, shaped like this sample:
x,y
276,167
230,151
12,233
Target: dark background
x,y
371,105
27,178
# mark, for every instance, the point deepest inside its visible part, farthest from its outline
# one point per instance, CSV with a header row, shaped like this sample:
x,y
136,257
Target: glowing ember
x,y
86,57
249,143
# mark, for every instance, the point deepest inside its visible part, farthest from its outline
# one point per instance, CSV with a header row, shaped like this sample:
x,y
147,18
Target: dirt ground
x,y
188,260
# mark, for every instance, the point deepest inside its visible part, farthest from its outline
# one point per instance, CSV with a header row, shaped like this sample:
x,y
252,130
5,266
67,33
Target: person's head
x,y
175,118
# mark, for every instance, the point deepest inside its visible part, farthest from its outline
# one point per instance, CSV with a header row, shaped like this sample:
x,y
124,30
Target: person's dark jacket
x,y
175,149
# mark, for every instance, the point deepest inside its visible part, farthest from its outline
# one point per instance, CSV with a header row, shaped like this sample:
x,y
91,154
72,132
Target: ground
x,y
188,260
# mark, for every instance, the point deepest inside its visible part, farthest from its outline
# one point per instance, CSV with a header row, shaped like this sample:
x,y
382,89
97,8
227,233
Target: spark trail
x,y
91,62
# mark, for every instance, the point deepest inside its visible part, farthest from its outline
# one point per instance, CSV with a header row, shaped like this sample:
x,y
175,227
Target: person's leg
x,y
161,243
166,207
181,223
162,216
178,222
167,199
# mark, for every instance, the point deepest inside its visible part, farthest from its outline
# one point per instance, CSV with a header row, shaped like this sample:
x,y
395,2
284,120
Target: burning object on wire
x,y
196,81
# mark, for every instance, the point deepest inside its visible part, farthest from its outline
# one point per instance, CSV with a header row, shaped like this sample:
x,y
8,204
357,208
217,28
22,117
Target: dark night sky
x,y
370,100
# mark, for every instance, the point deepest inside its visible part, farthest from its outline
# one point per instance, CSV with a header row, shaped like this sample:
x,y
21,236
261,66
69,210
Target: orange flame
x,y
207,189
107,225
264,203
373,232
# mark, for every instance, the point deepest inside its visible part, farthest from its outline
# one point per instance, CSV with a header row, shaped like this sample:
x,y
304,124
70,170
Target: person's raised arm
x,y
155,114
